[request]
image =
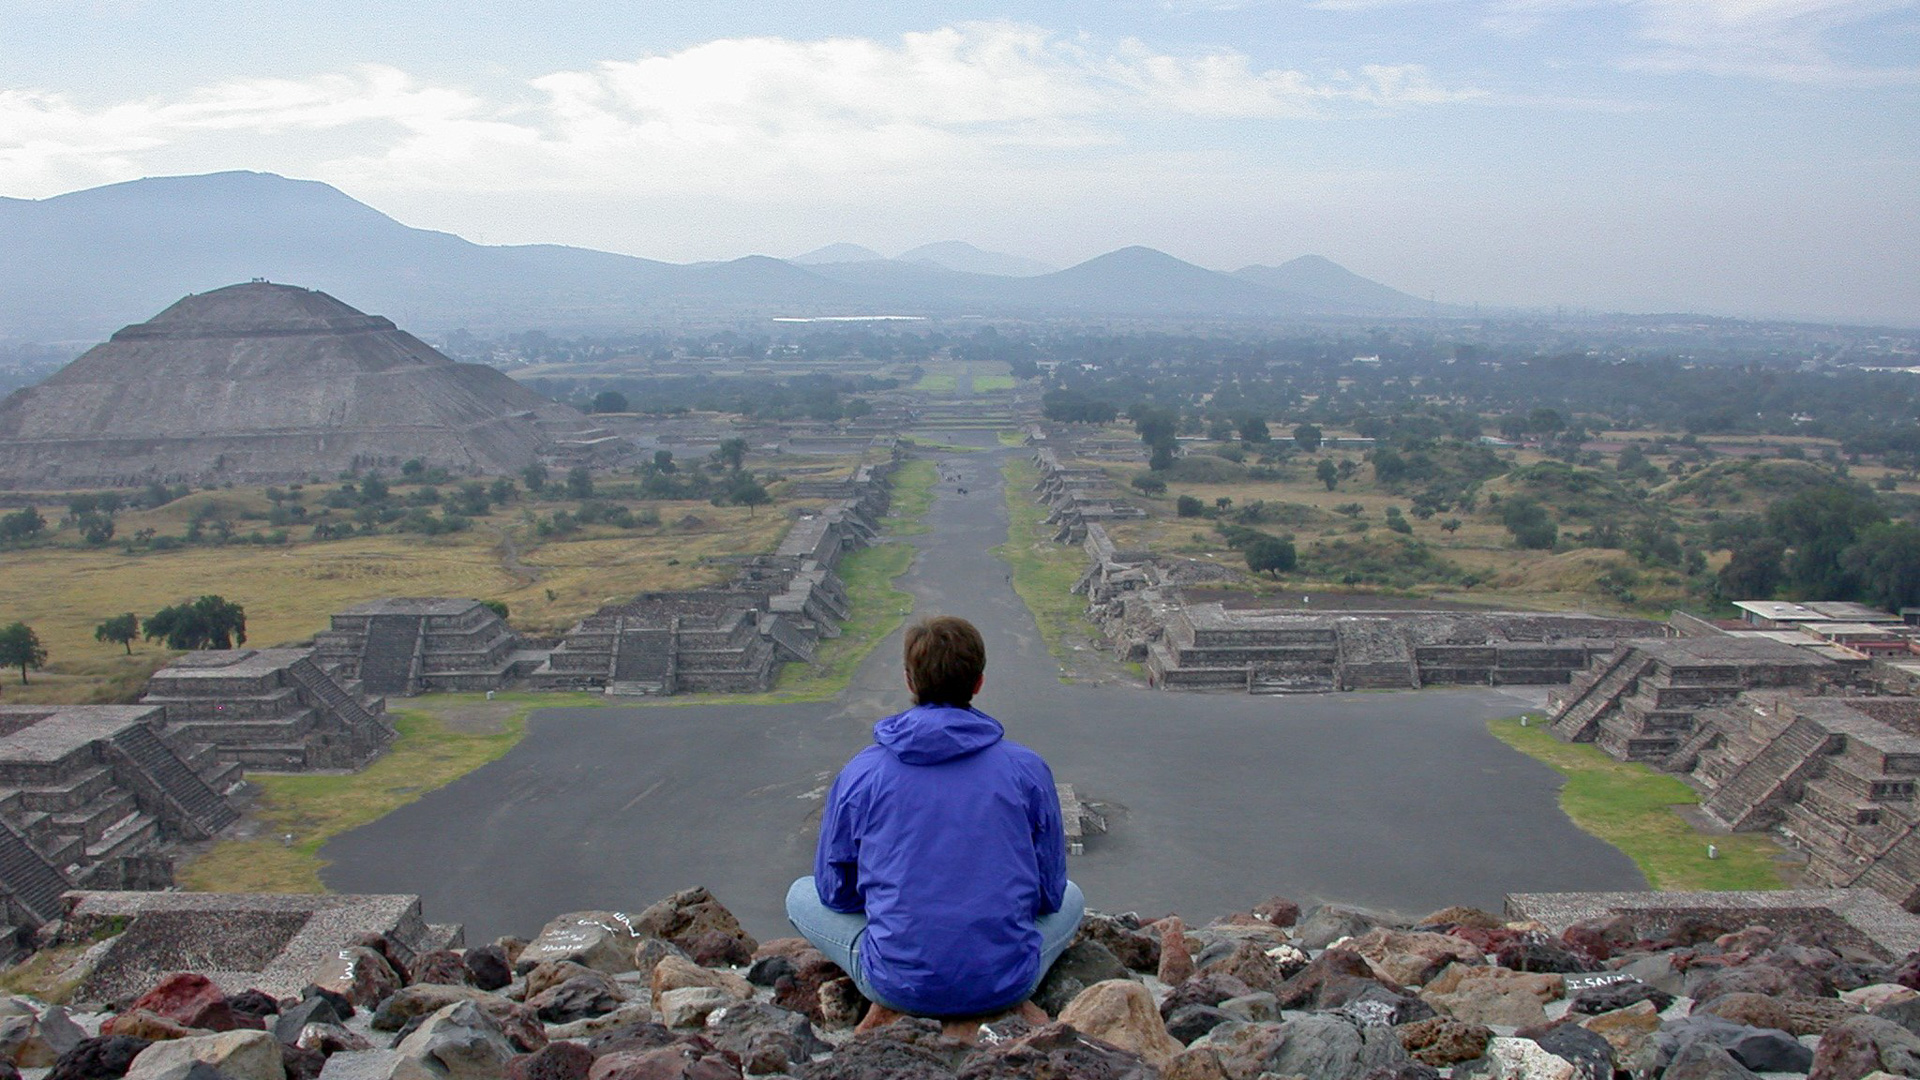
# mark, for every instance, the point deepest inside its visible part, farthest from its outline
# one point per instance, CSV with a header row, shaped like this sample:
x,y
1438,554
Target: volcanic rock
x,y
1121,1012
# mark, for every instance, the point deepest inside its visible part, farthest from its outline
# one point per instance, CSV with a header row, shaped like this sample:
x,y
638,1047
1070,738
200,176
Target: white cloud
x,y
726,115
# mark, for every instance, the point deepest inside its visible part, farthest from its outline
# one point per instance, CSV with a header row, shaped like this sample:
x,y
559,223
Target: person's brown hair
x,y
945,659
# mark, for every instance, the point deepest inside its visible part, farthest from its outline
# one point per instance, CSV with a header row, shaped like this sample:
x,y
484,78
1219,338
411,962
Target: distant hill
x,y
81,265
962,256
837,253
1323,279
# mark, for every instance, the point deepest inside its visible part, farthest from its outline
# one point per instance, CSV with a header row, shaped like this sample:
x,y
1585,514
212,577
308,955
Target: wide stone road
x,y
1393,800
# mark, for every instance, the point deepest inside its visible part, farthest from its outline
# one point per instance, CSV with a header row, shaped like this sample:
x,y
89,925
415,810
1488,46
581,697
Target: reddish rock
x,y
379,943
442,966
555,1061
488,967
1333,978
1441,1041
1861,1045
145,1024
1753,1010
716,948
841,1003
1589,944
688,915
692,1058
1133,946
300,1063
360,975
1251,965
1176,960
1459,916
1206,988
1277,911
192,1000
800,992
1484,939
795,949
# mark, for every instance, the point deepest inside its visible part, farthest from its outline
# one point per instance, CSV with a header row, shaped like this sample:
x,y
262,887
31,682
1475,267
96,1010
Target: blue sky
x,y
1728,156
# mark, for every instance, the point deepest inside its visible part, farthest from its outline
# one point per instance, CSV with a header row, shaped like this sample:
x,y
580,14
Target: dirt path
x,y
510,557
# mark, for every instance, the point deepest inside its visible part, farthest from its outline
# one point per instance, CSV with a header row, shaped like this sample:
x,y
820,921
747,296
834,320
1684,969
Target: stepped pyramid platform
x,y
1639,701
269,709
264,383
1277,651
405,645
92,794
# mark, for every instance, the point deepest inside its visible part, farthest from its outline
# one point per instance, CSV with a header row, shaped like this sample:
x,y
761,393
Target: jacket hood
x,y
931,734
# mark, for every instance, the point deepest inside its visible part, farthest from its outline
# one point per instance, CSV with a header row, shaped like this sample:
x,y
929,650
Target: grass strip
x,y
984,383
1635,809
912,497
430,753
1044,573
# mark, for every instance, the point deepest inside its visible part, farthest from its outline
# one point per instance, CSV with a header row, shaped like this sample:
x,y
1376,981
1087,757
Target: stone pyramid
x,y
265,383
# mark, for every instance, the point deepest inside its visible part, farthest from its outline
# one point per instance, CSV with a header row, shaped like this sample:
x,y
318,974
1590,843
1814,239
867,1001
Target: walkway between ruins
x,y
1398,800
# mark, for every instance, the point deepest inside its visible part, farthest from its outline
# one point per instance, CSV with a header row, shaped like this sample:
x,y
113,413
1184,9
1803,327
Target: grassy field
x,y
289,590
1043,572
913,484
936,382
440,741
1636,810
984,383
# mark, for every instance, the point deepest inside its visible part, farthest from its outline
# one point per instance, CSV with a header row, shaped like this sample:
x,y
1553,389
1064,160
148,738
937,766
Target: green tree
x,y
1818,526
413,468
119,629
1253,429
1307,438
1532,527
1328,472
748,492
579,482
20,647
373,488
609,401
498,607
209,622
732,453
1149,484
536,477
1157,428
1397,521
663,462
23,524
1188,506
503,491
1886,562
95,528
1272,555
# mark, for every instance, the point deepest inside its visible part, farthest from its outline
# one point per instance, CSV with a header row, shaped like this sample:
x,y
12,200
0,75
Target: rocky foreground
x,y
681,991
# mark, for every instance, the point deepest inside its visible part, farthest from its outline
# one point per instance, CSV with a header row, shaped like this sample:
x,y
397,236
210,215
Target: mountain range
x,y
83,264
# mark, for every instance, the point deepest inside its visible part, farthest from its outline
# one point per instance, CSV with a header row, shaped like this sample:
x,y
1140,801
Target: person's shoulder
x,y
1023,754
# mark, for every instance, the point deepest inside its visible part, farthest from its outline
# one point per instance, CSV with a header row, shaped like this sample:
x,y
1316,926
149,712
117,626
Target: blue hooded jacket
x,y
947,835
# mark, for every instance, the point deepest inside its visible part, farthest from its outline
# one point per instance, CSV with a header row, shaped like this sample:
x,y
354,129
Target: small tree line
x,y
206,622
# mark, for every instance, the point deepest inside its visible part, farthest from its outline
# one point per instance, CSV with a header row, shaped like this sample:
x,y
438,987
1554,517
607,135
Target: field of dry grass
x,y
64,589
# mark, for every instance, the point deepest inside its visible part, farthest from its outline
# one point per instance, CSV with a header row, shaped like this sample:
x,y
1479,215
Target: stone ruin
x,y
264,383
1138,600
1078,497
278,944
1777,731
91,795
270,709
730,639
407,645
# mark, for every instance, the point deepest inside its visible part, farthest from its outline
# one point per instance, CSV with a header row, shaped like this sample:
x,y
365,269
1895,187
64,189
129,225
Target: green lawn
x,y
937,384
435,747
1043,572
1635,809
913,485
984,383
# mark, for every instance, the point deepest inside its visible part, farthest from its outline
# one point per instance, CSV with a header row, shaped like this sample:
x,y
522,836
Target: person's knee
x,y
801,897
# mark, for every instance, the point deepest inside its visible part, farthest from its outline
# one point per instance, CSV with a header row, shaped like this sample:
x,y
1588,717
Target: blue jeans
x,y
838,934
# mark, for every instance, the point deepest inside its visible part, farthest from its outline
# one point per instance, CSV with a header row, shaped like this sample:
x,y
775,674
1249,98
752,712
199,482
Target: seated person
x,y
940,883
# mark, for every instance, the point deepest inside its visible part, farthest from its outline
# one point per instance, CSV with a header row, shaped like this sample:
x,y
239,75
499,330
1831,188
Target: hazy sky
x,y
1730,156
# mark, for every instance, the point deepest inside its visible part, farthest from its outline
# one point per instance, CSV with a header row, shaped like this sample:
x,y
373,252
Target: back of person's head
x,y
945,659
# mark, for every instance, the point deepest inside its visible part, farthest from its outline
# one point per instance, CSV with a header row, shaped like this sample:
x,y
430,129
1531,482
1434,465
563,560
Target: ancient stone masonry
x,y
269,709
730,639
90,794
1077,498
1778,729
263,383
411,644
1639,702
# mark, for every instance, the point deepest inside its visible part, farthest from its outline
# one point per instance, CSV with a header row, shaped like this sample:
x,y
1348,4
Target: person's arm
x,y
836,861
1049,842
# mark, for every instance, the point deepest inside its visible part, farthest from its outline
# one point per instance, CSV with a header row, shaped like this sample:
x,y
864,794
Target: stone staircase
x,y
642,661
1742,802
330,693
205,812
31,882
389,659
1592,694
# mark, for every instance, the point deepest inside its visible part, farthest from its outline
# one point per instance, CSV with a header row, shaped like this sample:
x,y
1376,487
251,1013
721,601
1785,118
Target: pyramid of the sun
x,y
265,383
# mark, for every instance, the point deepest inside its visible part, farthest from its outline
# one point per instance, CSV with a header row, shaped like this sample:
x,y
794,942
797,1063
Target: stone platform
x,y
1858,917
240,941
